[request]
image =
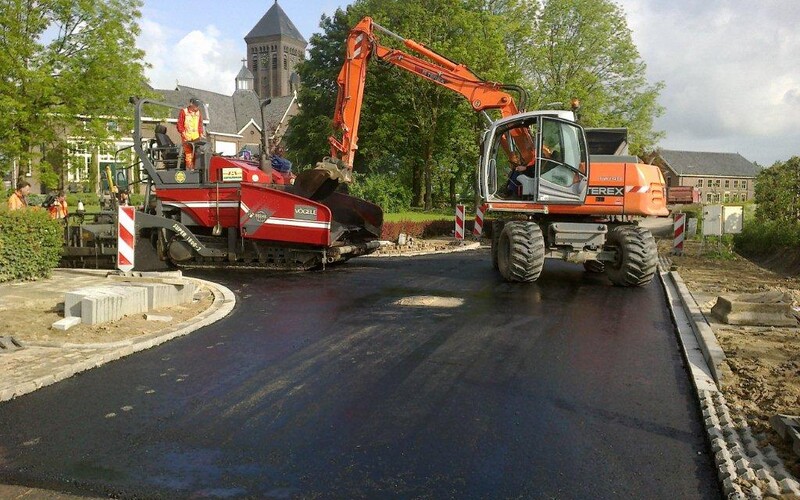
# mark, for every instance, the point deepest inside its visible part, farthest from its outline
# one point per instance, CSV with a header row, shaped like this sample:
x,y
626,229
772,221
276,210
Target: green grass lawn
x,y
416,216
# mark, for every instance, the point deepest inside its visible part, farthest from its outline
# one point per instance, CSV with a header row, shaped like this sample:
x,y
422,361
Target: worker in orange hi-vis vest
x,y
59,210
190,126
19,198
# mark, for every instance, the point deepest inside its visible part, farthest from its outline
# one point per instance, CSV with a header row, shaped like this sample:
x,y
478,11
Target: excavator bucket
x,y
318,183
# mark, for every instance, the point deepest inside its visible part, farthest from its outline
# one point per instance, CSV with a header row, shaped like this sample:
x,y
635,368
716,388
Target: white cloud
x,y
201,59
731,73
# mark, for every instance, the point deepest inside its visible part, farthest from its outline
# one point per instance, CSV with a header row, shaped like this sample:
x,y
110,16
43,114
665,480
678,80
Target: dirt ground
x,y
419,245
765,361
32,322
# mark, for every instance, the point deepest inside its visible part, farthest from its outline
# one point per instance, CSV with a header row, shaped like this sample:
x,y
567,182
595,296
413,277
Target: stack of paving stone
x,y
111,302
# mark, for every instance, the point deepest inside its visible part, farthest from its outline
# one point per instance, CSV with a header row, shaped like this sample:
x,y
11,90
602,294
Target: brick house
x,y
720,177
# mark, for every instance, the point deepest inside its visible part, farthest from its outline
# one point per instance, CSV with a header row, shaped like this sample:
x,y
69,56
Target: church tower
x,y
274,47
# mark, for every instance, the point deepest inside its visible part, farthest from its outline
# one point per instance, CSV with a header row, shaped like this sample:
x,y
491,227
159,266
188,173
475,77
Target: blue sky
x,y
730,66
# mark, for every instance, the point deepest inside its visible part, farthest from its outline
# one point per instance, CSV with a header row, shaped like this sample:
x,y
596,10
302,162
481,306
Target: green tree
x,y
777,192
584,49
67,66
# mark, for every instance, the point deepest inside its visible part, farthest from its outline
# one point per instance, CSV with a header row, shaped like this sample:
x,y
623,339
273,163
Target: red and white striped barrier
x,y
125,238
459,222
679,226
478,229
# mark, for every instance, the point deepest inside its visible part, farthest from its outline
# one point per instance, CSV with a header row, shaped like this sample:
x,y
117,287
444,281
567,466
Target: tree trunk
x,y
452,187
428,176
416,185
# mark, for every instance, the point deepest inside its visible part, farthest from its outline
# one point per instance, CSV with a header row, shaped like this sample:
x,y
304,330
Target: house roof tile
x,y
228,114
709,164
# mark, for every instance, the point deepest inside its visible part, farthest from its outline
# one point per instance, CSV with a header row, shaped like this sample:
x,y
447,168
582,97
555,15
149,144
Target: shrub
x,y
718,247
30,244
762,237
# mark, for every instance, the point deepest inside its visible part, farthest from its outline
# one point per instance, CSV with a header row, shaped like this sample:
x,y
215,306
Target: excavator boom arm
x,y
362,44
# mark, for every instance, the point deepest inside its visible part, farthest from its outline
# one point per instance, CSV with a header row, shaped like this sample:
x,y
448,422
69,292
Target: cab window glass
x,y
562,143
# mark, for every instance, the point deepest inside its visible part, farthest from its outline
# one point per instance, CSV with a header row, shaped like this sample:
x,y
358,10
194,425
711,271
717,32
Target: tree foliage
x,y
67,66
584,49
777,193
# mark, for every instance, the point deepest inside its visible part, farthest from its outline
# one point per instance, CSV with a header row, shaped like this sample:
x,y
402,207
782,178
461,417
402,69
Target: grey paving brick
x,y
773,488
790,486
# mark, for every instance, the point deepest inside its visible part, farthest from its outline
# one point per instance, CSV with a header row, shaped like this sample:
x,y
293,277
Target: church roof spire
x,y
275,22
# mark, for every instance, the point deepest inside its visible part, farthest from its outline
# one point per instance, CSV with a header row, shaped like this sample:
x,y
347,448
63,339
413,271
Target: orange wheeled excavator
x,y
553,204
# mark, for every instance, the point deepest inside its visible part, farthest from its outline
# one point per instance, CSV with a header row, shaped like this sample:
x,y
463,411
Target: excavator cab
x,y
538,157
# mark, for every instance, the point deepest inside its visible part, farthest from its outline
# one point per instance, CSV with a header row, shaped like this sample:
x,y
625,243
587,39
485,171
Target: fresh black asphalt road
x,y
384,378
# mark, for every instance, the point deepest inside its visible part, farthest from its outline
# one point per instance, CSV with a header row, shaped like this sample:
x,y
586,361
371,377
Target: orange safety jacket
x,y
190,124
59,210
17,202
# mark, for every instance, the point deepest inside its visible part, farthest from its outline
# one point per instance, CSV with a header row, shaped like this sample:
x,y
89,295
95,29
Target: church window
x,y
285,63
274,61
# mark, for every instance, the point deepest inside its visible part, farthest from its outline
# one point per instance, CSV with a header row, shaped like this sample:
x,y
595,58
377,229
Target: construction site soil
x,y
764,361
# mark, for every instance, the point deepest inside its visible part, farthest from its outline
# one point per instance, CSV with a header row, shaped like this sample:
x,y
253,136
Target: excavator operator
x,y
518,168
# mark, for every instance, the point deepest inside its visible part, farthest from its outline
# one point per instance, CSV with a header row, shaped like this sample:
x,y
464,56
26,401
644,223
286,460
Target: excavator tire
x,y
594,266
497,228
520,251
637,256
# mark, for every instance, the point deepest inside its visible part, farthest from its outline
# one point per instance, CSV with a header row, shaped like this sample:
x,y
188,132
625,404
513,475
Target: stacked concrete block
x,y
772,308
186,292
100,304
158,295
105,303
161,295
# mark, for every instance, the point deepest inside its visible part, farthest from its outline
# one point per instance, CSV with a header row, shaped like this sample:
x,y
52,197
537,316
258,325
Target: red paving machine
x,y
553,205
228,212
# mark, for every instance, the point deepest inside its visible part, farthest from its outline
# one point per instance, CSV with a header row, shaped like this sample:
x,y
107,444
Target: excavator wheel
x,y
637,256
594,266
520,251
497,228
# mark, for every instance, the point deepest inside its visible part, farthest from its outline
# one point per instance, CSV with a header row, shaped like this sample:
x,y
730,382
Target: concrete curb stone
x,y
744,469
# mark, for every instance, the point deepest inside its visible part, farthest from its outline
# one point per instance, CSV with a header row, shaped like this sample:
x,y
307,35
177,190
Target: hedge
x,y
30,244
763,237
